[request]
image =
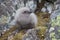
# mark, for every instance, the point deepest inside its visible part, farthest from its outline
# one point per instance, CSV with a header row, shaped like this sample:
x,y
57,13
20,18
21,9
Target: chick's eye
x,y
25,11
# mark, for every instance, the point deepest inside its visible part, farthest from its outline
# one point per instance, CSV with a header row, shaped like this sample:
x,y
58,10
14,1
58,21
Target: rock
x,y
31,34
43,9
48,7
32,5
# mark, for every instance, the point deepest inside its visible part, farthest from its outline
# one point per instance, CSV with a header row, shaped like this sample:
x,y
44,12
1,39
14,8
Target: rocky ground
x,y
41,26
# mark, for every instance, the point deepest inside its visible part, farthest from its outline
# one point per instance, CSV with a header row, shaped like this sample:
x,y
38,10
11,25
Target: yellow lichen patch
x,y
41,32
3,19
19,36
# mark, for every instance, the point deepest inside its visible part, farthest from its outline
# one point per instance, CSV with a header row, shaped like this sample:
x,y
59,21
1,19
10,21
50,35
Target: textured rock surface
x,y
31,34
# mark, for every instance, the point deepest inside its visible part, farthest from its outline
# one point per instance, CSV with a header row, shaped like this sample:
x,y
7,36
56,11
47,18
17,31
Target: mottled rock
x,y
31,34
